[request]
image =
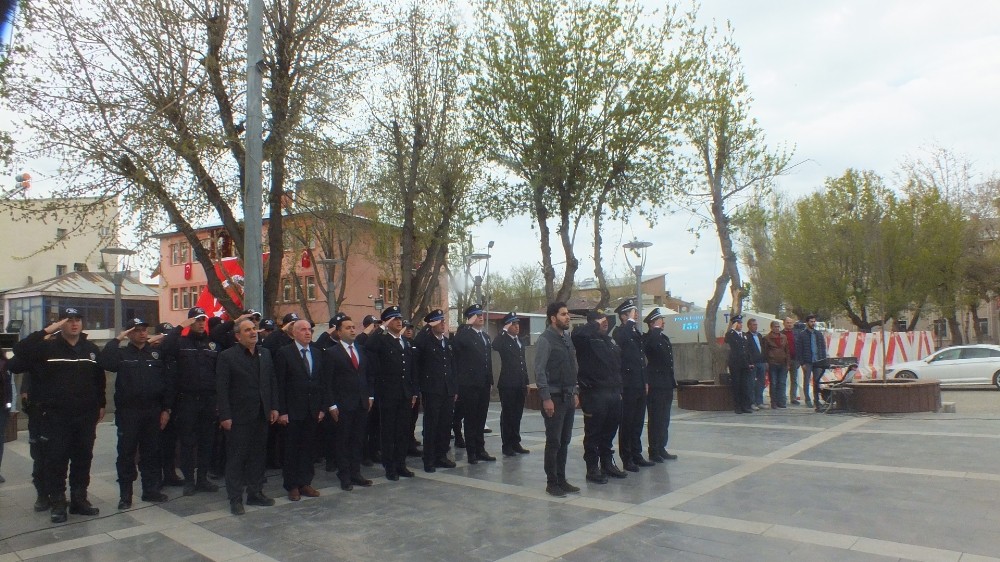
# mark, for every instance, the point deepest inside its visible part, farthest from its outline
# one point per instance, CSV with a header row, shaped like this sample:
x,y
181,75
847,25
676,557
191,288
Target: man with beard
x,y
67,385
195,355
143,396
248,401
394,390
351,390
600,384
555,375
660,374
434,371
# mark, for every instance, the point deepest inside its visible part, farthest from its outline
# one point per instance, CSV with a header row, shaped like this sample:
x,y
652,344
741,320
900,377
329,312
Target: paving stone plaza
x,y
781,485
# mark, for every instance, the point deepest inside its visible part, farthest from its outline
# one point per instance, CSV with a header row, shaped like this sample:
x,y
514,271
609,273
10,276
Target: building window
x,y
940,328
901,326
185,252
386,292
60,270
984,326
175,299
104,231
79,267
175,254
61,233
286,290
311,287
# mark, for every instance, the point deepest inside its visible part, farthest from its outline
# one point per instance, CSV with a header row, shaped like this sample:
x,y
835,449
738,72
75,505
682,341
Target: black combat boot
x,y
125,501
57,505
79,505
611,469
594,473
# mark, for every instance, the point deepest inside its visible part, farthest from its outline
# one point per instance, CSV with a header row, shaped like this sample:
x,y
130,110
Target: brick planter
x,y
705,397
896,396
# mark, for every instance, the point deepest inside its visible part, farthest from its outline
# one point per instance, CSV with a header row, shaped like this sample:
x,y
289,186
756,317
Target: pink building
x,y
372,258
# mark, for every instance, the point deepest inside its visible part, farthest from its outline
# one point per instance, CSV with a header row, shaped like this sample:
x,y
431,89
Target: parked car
x,y
958,365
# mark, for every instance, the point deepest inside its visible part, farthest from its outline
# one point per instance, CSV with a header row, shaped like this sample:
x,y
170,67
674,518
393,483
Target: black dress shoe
x,y
656,458
346,486
173,481
125,503
445,463
360,481
555,490
41,504
154,497
473,459
406,473
508,452
484,456
392,476
520,450
259,499
568,488
639,460
738,410
630,466
429,468
747,411
669,456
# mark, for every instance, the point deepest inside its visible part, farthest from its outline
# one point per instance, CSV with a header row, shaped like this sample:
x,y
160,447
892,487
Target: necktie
x,y
305,361
756,342
485,341
354,358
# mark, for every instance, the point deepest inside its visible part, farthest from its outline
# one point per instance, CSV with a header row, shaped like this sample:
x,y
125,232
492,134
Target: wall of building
x,y
29,226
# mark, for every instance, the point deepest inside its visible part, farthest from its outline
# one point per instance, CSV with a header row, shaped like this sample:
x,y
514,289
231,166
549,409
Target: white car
x,y
958,365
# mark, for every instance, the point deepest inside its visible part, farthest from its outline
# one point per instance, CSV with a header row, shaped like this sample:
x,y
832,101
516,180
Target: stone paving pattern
x,y
775,485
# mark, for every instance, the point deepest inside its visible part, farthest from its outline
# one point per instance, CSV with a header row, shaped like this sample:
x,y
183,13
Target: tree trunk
x,y
602,281
976,329
955,328
572,264
711,313
545,236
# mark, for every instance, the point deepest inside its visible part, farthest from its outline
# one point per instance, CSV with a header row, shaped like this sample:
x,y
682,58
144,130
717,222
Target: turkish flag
x,y
230,272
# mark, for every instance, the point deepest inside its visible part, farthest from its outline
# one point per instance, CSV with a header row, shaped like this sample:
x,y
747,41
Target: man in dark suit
x,y
739,367
474,361
758,370
247,401
660,374
434,370
352,394
371,440
303,397
512,385
394,390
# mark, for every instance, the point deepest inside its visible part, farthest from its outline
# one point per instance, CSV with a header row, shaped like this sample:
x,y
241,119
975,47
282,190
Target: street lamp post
x,y
638,248
118,278
469,260
331,304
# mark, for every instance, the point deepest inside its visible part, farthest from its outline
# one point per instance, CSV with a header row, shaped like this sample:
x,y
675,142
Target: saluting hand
x,y
124,335
55,326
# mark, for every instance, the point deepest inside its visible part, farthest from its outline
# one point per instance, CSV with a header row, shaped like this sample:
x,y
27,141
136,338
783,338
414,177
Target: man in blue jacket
x,y
810,349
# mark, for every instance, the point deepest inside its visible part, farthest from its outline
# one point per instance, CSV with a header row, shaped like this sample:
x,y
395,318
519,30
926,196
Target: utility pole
x,y
253,267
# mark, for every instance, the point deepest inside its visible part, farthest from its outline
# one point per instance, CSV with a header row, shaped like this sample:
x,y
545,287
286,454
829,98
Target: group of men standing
x,y
244,378
754,358
614,378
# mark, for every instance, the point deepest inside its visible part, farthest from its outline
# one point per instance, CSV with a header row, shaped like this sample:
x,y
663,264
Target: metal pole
x,y
487,297
253,268
638,296
118,279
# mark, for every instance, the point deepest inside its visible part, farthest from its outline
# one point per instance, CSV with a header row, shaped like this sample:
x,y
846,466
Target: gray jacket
x,y
555,364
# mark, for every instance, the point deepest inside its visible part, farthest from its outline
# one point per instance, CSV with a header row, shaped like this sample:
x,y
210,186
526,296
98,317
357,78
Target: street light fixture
x,y
638,248
331,305
118,278
469,260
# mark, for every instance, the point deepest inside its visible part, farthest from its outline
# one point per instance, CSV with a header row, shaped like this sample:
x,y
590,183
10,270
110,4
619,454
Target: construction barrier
x,y
898,347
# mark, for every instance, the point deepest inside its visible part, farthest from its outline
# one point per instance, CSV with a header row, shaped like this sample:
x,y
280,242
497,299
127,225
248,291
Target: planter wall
x,y
705,397
896,396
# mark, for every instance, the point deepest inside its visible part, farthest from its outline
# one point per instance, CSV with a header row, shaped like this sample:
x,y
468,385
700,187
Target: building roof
x,y
591,283
87,284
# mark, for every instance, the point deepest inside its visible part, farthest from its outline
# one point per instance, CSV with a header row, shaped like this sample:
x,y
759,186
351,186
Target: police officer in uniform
x,y
629,339
168,435
35,446
394,391
600,384
474,361
660,374
512,384
434,371
740,378
143,397
195,355
67,386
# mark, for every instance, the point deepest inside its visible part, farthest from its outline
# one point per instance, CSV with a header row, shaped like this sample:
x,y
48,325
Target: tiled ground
x,y
787,485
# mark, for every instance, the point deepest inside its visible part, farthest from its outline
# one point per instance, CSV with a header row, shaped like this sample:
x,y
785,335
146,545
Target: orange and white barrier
x,y
868,348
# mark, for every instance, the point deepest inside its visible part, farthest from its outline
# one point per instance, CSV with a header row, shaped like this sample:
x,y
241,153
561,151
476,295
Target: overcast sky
x,y
849,84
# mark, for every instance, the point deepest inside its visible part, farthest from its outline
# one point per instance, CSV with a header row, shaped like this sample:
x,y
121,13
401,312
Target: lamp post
x,y
331,304
469,260
638,248
117,279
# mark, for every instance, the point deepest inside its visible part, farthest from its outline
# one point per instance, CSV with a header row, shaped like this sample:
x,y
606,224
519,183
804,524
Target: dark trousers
x,y
658,402
741,381
196,421
139,432
476,403
817,373
778,373
437,426
36,447
326,440
373,431
558,432
511,410
4,417
68,440
350,430
245,448
633,418
759,379
168,447
300,436
394,423
218,463
458,415
602,411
